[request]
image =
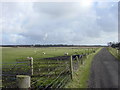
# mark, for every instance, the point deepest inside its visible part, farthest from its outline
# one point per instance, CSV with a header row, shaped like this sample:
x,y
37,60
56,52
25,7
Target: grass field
x,y
11,54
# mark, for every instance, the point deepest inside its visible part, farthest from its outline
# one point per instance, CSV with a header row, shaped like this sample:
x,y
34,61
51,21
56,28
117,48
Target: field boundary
x,y
81,77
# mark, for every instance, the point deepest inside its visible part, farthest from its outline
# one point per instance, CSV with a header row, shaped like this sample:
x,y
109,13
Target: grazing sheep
x,y
43,52
29,58
65,53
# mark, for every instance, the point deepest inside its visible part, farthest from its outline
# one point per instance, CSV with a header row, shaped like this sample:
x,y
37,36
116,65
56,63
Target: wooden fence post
x,y
23,81
77,59
71,67
31,65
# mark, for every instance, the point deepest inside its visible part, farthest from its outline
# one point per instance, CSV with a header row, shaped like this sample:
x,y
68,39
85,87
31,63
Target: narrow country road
x,y
104,71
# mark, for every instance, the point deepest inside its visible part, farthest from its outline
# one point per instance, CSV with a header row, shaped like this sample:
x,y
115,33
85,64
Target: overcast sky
x,y
92,22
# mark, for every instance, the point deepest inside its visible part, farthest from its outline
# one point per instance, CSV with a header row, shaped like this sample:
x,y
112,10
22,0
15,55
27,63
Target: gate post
x,y
31,66
23,81
71,67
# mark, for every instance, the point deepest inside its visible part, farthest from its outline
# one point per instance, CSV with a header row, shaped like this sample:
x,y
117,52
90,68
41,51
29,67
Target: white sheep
x,y
43,52
65,53
29,58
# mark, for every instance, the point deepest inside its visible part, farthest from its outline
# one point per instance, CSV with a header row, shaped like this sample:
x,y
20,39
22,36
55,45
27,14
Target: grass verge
x,y
81,77
114,52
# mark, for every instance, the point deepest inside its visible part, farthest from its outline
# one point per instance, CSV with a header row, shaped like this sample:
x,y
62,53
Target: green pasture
x,y
10,54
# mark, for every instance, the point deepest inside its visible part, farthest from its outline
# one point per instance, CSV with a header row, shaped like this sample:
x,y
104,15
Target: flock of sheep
x,y
29,58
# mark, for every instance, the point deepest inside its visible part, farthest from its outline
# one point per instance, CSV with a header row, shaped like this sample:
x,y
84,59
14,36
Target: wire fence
x,y
50,72
53,72
10,70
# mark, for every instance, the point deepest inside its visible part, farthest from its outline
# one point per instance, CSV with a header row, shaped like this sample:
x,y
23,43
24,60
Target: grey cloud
x,y
55,9
67,23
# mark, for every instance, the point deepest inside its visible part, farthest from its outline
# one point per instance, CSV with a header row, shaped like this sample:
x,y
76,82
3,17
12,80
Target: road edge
x,y
81,77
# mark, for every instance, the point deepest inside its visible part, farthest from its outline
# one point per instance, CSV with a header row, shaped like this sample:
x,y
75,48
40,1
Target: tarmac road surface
x,y
104,71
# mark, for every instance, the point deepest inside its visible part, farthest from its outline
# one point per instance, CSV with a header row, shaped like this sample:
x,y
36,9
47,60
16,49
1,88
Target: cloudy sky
x,y
91,22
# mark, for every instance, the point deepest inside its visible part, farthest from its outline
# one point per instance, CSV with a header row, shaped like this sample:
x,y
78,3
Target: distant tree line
x,y
50,45
114,45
